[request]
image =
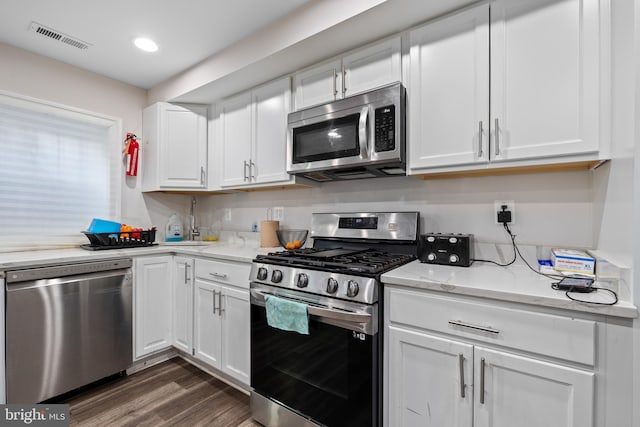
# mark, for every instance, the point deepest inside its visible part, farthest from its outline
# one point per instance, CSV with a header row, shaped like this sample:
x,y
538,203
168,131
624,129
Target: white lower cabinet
x,y
222,317
182,303
152,305
446,373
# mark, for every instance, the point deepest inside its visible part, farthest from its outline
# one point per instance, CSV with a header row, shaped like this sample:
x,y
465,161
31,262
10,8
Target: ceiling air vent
x,y
59,36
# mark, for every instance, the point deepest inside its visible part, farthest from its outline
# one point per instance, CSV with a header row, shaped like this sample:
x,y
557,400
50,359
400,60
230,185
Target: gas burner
x,y
367,261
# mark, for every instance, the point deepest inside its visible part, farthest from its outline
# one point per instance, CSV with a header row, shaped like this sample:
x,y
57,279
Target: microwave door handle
x,y
362,133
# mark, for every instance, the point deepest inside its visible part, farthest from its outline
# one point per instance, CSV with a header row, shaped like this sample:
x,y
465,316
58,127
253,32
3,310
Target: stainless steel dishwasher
x,y
66,326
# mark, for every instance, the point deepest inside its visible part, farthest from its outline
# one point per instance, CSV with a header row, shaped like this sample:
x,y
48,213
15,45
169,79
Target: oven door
x,y
329,376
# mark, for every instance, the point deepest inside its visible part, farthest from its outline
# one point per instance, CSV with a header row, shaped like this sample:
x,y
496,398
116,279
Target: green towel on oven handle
x,y
287,315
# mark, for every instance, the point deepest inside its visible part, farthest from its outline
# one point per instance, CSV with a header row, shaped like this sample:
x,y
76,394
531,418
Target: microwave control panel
x,y
385,128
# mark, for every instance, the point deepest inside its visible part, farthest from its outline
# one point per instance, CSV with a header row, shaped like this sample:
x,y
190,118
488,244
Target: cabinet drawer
x,y
236,274
555,336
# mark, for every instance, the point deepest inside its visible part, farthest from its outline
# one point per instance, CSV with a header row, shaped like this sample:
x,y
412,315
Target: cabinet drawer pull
x,y
462,386
482,381
476,327
497,137
219,275
480,139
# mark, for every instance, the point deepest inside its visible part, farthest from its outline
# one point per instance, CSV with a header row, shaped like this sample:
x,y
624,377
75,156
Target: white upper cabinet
x,y
252,136
360,71
545,80
271,105
449,102
510,81
174,148
235,136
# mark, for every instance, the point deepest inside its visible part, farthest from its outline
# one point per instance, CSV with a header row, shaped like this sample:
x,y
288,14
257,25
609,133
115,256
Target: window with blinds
x,y
56,170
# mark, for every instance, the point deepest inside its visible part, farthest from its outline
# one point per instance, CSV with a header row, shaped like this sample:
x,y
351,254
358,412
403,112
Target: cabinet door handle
x,y
482,381
335,84
218,275
245,170
251,168
213,296
220,308
472,326
462,386
186,273
480,139
497,139
202,175
344,81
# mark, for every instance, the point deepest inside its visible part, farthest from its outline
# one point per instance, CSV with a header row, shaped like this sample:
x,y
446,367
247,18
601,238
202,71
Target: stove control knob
x,y
431,256
303,280
332,286
262,273
276,276
453,258
352,288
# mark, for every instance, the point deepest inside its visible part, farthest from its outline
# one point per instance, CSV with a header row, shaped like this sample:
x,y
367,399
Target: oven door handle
x,y
327,313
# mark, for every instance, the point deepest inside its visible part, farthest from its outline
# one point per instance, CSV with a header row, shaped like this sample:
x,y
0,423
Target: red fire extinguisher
x,y
131,150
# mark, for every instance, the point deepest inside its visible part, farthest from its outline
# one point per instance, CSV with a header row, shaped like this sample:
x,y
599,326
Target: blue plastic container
x,y
103,226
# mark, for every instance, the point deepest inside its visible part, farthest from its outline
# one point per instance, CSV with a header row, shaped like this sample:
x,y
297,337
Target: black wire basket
x,y
123,239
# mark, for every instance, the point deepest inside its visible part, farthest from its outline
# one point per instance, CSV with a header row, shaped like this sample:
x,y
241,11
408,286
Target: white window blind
x,y
55,172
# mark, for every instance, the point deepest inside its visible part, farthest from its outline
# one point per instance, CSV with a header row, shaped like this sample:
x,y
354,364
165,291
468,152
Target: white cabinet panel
x,y
236,331
318,85
425,374
372,67
508,81
545,77
271,104
524,392
449,102
174,147
235,137
152,305
183,303
359,71
207,326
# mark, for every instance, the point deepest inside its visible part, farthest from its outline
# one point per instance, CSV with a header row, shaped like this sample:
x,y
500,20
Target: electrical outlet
x,y
278,213
497,207
227,214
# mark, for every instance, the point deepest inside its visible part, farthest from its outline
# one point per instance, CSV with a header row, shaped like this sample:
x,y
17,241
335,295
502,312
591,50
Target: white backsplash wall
x,y
550,209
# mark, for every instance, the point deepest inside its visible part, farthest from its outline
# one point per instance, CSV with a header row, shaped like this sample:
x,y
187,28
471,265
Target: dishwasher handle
x,y
43,283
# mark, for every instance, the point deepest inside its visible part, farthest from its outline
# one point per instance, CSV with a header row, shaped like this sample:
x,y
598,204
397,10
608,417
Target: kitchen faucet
x,y
193,230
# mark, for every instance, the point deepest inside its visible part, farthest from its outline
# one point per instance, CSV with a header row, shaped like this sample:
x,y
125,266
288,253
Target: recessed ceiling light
x,y
145,44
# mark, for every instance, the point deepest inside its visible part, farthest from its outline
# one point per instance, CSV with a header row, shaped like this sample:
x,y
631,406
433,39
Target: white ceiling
x,y
186,31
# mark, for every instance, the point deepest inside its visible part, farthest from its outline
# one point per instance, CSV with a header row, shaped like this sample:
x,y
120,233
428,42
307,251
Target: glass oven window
x,y
329,375
330,139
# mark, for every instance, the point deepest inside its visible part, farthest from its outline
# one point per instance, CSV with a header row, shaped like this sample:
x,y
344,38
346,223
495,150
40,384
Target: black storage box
x,y
446,249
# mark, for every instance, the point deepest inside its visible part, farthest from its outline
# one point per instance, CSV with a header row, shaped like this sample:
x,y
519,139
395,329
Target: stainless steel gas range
x,y
332,375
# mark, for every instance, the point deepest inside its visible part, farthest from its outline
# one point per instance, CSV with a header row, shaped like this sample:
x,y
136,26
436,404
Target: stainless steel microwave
x,y
362,136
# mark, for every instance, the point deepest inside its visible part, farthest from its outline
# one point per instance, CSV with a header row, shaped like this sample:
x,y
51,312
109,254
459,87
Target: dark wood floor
x,y
173,393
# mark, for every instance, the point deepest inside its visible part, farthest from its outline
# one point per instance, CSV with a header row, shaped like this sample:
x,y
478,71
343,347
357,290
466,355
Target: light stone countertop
x,y
217,250
516,283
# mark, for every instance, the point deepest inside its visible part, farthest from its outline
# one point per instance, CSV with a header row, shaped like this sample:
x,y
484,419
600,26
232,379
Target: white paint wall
x,y
43,78
551,209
